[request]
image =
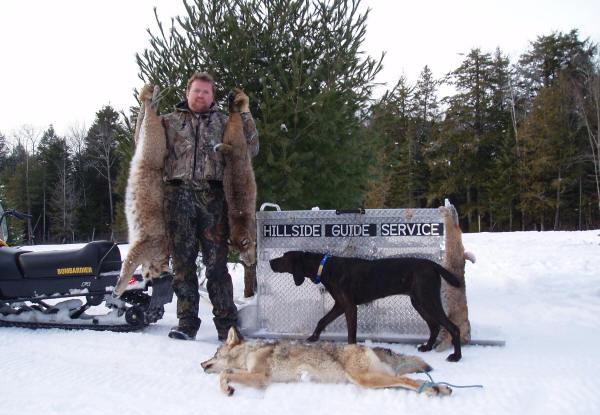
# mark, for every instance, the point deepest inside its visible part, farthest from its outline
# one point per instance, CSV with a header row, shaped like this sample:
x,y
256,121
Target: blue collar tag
x,y
317,279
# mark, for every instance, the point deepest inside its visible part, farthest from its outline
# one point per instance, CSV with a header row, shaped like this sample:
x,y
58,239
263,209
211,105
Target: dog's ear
x,y
233,337
296,260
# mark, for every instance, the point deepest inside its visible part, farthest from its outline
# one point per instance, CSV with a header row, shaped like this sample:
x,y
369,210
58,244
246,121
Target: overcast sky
x,y
62,60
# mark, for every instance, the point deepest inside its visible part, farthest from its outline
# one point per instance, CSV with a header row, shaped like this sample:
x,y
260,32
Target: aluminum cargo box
x,y
282,310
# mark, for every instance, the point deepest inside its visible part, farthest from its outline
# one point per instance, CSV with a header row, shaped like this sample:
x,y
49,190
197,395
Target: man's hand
x,y
242,101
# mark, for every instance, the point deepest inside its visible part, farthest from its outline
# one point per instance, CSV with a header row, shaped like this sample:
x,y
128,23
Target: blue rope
x,y
432,383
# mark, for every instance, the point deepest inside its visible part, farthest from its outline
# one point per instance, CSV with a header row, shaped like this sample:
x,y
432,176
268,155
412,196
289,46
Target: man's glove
x,y
242,100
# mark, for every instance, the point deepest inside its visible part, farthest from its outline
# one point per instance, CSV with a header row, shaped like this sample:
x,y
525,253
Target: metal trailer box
x,y
282,310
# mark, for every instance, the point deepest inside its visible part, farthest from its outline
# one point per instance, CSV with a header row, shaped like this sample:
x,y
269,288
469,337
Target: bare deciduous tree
x,y
28,137
587,97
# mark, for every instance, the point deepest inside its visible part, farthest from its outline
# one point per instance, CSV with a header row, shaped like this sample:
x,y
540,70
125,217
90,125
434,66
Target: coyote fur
x,y
144,195
260,363
238,181
454,299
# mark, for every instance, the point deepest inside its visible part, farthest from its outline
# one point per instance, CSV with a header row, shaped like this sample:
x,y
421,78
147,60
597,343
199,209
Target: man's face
x,y
199,96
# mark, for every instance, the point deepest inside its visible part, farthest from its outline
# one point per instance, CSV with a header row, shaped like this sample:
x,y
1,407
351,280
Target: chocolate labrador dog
x,y
354,281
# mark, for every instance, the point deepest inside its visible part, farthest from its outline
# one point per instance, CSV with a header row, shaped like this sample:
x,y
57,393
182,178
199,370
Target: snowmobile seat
x,y
9,264
73,262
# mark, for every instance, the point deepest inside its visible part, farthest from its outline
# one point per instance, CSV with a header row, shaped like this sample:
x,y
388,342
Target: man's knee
x,y
186,287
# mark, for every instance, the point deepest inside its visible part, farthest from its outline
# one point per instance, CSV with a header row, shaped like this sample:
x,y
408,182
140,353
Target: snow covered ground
x,y
542,289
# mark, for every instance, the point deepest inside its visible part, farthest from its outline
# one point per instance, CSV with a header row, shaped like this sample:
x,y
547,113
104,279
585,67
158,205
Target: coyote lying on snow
x,y
144,196
259,363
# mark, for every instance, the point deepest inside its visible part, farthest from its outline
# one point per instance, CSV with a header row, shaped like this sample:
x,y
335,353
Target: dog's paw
x,y
454,357
312,339
424,347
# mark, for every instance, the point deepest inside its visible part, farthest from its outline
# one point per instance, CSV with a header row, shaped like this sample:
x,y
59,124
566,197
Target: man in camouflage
x,y
195,206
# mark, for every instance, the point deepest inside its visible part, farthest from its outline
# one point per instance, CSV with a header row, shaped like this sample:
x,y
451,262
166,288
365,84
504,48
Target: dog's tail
x,y
448,276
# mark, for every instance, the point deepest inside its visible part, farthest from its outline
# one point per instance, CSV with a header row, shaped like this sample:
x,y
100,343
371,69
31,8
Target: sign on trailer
x,y
282,310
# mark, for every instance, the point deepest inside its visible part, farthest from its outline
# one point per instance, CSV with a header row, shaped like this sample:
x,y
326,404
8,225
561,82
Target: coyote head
x,y
226,356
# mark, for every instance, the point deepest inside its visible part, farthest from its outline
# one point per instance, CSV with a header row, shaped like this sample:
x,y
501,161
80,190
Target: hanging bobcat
x,y
238,181
144,196
455,299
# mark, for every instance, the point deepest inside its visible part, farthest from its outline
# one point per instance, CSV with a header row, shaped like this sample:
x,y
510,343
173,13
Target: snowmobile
x,y
31,282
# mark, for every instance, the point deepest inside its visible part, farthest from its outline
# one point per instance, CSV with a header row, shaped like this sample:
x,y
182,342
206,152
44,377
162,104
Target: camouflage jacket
x,y
190,143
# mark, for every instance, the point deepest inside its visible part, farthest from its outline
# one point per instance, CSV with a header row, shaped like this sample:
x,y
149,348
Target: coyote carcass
x,y
144,196
260,363
238,181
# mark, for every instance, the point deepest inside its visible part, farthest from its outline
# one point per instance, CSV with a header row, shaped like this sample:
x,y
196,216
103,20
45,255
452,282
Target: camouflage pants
x,y
199,217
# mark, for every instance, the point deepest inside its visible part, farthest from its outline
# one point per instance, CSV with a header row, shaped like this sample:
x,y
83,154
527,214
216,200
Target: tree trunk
x,y
64,189
469,209
557,207
580,206
44,239
110,199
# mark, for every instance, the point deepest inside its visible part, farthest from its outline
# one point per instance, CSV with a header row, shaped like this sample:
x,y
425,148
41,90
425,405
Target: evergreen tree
x,y
13,178
550,144
499,194
388,128
59,192
55,168
427,115
3,151
460,154
555,142
302,65
551,55
100,154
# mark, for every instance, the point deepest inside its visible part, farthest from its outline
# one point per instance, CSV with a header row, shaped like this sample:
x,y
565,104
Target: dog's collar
x,y
317,279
